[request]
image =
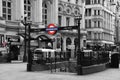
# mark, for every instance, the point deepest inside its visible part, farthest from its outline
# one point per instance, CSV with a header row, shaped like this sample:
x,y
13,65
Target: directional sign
x,y
38,30
54,29
67,28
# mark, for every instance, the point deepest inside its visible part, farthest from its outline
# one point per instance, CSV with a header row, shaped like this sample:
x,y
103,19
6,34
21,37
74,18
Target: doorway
x,y
15,51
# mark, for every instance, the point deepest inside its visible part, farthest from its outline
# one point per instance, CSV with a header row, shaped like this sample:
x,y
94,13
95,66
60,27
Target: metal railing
x,y
95,57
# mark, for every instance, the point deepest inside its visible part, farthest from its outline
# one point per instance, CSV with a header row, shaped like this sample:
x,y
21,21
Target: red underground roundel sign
x,y
51,29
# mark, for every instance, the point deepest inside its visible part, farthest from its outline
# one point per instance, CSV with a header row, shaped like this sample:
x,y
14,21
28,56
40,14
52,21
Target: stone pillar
x,y
72,50
71,21
37,11
18,7
0,7
83,17
64,43
63,21
55,11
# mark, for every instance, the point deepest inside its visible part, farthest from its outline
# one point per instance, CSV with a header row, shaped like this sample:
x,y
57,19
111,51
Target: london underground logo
x,y
51,29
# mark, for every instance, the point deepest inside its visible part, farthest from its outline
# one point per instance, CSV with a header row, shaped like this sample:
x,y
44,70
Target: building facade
x,y
117,23
41,13
99,22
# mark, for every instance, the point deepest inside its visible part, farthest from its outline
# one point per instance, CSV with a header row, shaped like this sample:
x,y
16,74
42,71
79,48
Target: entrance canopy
x,y
42,38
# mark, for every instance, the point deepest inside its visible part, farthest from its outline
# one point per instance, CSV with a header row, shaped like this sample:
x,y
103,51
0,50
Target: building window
x,y
98,12
89,36
76,1
99,36
67,21
95,12
88,12
87,2
95,1
60,9
99,1
59,20
95,24
88,23
6,9
75,22
99,24
44,15
95,35
68,0
27,8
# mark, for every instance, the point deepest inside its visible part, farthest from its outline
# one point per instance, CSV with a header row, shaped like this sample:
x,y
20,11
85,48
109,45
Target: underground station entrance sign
x,y
52,29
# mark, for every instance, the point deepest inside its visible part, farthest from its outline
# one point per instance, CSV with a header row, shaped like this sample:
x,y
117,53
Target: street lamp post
x,y
29,64
79,53
25,23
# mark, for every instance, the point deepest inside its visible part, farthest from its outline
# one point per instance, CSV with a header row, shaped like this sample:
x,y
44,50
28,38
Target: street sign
x,y
67,28
52,29
38,30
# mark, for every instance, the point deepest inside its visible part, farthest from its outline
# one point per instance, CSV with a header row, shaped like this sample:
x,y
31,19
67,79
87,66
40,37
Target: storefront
x,y
14,46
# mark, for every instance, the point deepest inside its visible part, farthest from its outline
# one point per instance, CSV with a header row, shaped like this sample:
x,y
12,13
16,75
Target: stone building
x,y
99,22
41,13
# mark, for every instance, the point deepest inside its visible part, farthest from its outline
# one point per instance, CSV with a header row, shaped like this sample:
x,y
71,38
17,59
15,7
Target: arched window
x,y
44,15
59,9
27,8
76,1
68,10
6,4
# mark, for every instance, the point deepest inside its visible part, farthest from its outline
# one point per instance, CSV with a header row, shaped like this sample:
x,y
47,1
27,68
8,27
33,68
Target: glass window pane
x,y
28,1
4,3
24,7
25,12
9,4
29,14
45,16
9,17
9,11
29,8
24,1
4,10
4,16
46,22
45,11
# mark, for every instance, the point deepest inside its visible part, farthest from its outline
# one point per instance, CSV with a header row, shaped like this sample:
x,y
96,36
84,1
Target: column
x,y
83,17
71,21
72,50
63,21
55,11
37,11
18,6
64,43
0,7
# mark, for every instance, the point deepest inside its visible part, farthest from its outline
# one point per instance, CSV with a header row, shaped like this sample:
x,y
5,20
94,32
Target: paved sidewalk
x,y
18,72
